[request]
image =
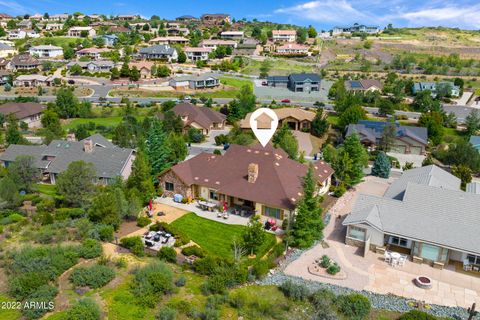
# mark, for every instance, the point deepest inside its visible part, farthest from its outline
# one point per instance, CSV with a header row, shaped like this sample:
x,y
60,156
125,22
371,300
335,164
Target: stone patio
x,y
371,273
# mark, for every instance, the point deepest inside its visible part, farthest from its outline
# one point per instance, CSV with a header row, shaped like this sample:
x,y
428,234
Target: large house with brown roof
x,y
202,118
297,119
363,85
28,112
264,180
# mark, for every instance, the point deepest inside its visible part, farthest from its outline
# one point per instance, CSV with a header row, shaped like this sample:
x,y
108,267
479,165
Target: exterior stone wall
x,y
179,187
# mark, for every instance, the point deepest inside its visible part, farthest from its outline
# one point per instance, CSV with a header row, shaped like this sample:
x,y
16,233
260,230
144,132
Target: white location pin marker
x,y
264,122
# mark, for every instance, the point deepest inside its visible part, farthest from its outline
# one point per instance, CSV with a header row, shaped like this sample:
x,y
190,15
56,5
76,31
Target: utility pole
x,y
471,312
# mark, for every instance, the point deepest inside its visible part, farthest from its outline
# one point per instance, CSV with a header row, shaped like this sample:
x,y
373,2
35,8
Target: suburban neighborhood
x,y
172,164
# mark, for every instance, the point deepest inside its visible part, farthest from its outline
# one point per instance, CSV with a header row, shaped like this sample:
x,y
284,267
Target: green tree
x,y
320,124
76,69
308,223
285,139
158,149
66,103
253,235
387,140
464,173
24,173
134,74
76,183
312,33
178,146
381,166
351,116
85,309
246,100
162,71
172,122
386,106
433,121
13,135
424,102
9,196
265,68
125,70
461,153
182,57
52,127
472,122
106,209
141,178
114,73
68,53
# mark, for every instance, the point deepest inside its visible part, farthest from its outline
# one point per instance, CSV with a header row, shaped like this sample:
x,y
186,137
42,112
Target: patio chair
x,y
394,263
219,214
226,215
387,257
402,260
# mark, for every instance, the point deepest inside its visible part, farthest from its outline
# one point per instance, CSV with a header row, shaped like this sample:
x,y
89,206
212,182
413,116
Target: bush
x,y
68,213
339,190
166,313
325,262
333,269
261,268
221,139
294,291
354,306
167,254
143,221
134,244
103,232
193,250
93,277
217,152
90,249
151,282
44,294
322,298
180,282
85,309
417,315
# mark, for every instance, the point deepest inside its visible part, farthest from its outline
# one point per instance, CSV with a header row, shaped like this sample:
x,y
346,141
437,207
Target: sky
x,y
321,14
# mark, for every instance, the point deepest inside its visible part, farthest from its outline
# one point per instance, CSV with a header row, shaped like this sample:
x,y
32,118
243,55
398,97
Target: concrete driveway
x,y
416,159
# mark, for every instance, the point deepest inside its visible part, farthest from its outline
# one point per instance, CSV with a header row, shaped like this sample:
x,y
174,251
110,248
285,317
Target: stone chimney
x,y
252,172
71,137
88,145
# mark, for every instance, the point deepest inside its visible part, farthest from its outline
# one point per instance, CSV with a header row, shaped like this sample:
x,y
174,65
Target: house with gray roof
x,y
408,140
108,160
297,82
93,66
201,81
159,52
433,87
423,213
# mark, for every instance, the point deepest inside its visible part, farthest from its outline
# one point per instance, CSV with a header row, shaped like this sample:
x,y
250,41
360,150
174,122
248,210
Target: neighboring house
x,y
202,81
145,68
232,35
355,28
197,54
78,31
292,49
363,85
16,34
46,51
128,17
297,119
215,18
33,80
118,29
25,24
108,160
28,112
423,213
94,53
214,43
186,18
297,82
408,140
475,142
159,52
53,26
93,66
264,180
110,40
59,17
202,118
5,76
176,31
7,51
169,40
284,35
452,89
24,62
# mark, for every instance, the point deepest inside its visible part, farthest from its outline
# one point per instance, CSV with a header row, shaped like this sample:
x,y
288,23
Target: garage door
x,y
416,150
398,149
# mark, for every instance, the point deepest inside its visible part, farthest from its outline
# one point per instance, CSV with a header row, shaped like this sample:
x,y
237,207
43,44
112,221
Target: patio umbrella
x,y
225,207
150,205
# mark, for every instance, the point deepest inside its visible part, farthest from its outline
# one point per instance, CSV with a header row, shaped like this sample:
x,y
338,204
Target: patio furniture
x,y
219,214
387,257
226,215
402,260
207,206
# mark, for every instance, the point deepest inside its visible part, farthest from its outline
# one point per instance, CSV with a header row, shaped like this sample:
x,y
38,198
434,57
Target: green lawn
x,y
7,313
214,237
235,82
279,66
56,41
47,189
107,122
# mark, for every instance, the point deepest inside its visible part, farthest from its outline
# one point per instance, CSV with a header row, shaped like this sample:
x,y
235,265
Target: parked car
x,y
149,235
285,101
264,83
71,81
156,237
148,243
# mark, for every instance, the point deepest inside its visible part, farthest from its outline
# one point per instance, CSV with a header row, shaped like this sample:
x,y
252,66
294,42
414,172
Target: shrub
x,y
322,298
151,282
333,269
167,254
134,244
103,232
325,261
261,268
85,309
417,315
339,190
217,152
143,221
180,282
354,306
44,294
166,313
193,250
294,291
221,139
90,249
68,213
93,277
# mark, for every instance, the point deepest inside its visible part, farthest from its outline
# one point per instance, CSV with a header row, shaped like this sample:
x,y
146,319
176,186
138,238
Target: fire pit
x,y
423,282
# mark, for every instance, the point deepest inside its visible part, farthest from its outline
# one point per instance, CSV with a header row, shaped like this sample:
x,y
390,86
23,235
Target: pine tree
x,y
158,149
381,166
141,178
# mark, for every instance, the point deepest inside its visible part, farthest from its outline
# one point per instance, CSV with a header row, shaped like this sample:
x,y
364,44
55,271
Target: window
x,y
401,242
213,195
473,259
356,233
272,212
430,252
169,186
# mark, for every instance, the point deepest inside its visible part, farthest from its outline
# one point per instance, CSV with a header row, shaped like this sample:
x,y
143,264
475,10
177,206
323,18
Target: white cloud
x,y
452,15
14,7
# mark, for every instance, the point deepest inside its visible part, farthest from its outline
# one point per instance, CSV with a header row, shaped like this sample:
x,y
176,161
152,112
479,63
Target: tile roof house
x,y
145,68
202,118
297,119
363,85
28,112
159,52
262,179
426,214
284,35
292,49
109,161
78,31
409,139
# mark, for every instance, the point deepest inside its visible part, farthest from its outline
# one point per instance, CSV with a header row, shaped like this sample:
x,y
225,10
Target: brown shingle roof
x,y
283,113
203,116
278,183
21,110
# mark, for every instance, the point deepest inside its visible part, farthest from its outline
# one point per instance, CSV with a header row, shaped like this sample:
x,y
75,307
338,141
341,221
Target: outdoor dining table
x,y
395,255
206,205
